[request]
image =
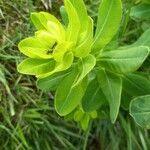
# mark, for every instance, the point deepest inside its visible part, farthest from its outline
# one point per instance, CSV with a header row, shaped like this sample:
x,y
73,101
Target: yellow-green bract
x,y
54,45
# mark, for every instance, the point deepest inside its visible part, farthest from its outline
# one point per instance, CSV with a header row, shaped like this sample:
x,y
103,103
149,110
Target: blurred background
x,y
27,117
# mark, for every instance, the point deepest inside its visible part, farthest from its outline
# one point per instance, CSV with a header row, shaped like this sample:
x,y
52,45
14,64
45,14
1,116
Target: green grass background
x,y
27,117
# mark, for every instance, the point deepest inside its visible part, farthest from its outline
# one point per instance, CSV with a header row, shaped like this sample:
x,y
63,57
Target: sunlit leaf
x,y
85,41
74,23
36,66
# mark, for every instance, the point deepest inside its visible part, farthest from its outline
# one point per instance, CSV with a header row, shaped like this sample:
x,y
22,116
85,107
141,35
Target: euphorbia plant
x,y
77,63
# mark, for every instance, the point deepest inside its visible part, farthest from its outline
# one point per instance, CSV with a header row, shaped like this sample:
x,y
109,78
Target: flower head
x,y
54,46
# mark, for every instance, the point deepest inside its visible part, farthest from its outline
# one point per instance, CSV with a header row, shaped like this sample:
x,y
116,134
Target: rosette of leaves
x,y
88,76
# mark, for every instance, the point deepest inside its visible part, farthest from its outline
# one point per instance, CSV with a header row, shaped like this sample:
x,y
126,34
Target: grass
x,y
27,117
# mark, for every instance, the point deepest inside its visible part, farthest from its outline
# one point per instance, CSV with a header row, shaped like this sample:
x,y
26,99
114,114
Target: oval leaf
x,y
111,86
109,17
67,95
85,66
124,61
51,83
93,97
144,40
36,66
136,85
37,47
140,110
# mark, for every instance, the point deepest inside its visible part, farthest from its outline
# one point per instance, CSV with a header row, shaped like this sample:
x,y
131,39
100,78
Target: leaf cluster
x,y
87,73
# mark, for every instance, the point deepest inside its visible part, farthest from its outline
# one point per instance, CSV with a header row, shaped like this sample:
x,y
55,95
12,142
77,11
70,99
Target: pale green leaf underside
x,y
109,17
140,110
125,60
111,86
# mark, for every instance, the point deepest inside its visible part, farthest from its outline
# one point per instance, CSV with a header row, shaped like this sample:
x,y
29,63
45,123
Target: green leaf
x,y
82,13
93,97
38,46
85,65
140,110
125,60
36,66
74,23
64,15
85,41
67,95
109,18
51,82
144,40
141,11
111,86
136,85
